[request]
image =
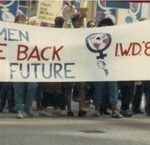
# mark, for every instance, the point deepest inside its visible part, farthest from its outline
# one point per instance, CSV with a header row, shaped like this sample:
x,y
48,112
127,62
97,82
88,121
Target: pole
x,y
30,7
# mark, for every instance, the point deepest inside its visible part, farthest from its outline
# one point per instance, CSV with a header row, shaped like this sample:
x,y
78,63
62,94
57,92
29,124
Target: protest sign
x,y
8,10
32,53
48,10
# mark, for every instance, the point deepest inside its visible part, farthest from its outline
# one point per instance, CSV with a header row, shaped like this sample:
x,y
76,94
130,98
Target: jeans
x,y
100,90
113,93
30,91
126,88
6,94
137,98
104,89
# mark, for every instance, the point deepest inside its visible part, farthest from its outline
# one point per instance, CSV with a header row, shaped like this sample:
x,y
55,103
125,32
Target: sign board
x,y
48,10
104,12
38,54
23,10
117,4
8,10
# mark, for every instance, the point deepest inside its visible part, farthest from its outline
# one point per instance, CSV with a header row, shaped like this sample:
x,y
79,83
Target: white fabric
x,y
65,54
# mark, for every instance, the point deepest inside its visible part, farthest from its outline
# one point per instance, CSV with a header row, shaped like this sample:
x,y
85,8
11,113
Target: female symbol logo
x,y
98,43
135,8
6,15
107,11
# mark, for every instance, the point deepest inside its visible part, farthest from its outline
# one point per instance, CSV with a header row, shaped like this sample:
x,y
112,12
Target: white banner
x,y
37,54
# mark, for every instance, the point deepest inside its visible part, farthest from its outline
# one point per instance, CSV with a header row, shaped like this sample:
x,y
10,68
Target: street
x,y
74,131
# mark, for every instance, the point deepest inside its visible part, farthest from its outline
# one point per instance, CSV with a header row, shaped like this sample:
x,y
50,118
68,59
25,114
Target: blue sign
x,y
136,9
118,4
8,10
103,12
77,3
23,10
107,9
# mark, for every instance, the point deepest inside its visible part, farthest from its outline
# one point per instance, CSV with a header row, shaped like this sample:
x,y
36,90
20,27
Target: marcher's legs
x,y
99,92
31,91
81,86
3,96
147,103
99,86
18,94
113,94
10,97
126,89
137,99
66,93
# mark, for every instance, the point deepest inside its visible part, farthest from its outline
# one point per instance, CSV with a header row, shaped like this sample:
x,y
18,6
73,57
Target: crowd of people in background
x,y
104,96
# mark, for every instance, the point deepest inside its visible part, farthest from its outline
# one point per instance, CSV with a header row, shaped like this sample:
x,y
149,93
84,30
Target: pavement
x,y
62,130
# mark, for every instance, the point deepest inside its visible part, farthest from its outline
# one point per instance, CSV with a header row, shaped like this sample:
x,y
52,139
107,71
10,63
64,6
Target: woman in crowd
x,y
23,90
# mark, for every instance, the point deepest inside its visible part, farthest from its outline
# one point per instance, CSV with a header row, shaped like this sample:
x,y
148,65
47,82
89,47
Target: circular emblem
x,y
98,43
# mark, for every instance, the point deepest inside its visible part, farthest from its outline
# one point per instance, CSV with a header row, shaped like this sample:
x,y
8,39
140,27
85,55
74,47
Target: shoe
x,y
147,111
43,113
29,113
105,113
19,115
1,110
126,113
116,114
62,112
82,113
70,114
96,114
12,111
138,112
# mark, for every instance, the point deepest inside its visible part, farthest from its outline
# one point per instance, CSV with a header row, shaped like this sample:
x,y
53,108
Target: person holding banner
x,y
21,90
137,97
66,88
77,22
105,99
57,95
126,90
102,88
138,92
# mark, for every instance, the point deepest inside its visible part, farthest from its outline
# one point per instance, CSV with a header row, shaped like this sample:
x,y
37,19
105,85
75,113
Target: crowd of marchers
x,y
18,97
